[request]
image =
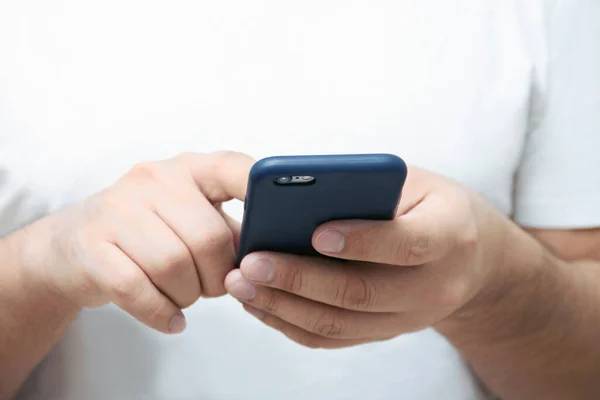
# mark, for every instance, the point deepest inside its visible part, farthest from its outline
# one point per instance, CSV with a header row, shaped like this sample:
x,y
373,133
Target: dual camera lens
x,y
287,180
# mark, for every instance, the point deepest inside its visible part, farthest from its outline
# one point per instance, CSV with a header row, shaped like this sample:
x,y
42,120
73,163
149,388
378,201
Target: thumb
x,y
415,238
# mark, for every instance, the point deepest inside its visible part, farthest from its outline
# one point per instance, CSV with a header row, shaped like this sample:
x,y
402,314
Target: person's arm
x,y
536,335
527,320
33,316
571,245
152,243
539,339
525,316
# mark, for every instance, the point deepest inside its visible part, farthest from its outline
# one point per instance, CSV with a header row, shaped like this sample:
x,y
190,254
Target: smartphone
x,y
288,197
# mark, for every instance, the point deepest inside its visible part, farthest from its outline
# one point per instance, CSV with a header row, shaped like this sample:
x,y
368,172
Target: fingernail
x,y
329,241
255,312
243,290
177,324
261,270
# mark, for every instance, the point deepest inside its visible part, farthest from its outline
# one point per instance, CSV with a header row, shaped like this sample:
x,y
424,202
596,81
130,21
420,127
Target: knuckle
x,y
214,240
224,156
356,294
213,291
87,289
301,337
176,260
293,280
183,162
328,325
146,171
126,285
107,202
159,316
185,157
413,250
218,163
272,303
419,248
469,237
218,159
469,234
452,294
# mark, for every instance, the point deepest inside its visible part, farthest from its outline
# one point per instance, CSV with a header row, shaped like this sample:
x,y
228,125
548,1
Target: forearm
x,y
534,333
33,317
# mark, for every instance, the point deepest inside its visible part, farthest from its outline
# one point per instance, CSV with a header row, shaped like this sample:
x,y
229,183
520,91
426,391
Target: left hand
x,y
444,247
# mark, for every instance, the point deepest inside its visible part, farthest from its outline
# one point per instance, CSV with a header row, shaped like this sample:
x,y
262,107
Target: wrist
x,y
517,268
34,258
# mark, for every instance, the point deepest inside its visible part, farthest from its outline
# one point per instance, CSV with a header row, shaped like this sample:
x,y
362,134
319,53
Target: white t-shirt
x,y
501,95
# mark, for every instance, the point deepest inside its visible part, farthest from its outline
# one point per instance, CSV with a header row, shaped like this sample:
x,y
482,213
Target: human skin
x,y
522,307
152,243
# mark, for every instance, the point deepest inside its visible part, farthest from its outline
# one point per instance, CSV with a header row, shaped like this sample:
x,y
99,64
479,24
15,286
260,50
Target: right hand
x,y
152,243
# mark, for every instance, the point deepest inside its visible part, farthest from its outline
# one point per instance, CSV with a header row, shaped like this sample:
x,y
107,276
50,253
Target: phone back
x,y
283,217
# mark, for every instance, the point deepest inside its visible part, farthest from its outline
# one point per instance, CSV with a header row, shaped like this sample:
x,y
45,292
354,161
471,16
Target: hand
x,y
153,243
399,276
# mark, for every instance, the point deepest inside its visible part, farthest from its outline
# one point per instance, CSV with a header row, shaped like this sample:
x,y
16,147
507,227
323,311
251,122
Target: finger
x,y
200,226
132,291
301,336
314,317
221,176
356,286
161,254
418,237
234,226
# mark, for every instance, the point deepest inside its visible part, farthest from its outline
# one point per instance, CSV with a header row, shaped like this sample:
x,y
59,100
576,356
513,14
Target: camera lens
x,y
282,180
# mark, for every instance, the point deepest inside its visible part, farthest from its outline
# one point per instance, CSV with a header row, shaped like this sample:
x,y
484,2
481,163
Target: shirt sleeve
x,y
558,180
36,181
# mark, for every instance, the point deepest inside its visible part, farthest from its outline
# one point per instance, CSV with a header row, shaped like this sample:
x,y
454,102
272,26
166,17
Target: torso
x,y
102,85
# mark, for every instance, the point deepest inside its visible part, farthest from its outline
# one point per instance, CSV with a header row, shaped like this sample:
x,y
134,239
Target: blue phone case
x,y
283,218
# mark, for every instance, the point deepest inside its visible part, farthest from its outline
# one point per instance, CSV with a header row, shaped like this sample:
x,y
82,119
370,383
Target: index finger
x,y
221,176
349,285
